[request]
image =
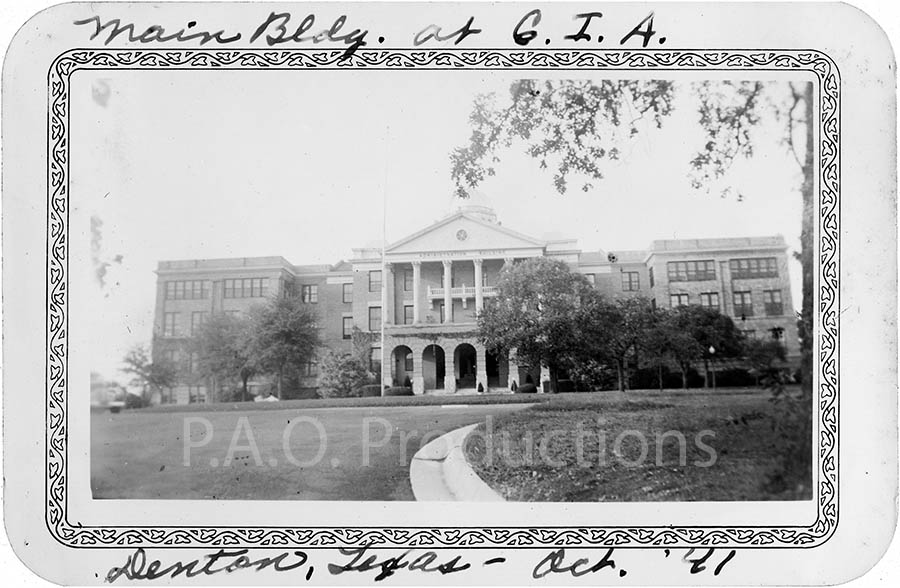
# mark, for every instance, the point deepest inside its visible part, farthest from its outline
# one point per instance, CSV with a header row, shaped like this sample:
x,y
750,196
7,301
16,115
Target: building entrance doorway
x,y
492,367
433,367
466,366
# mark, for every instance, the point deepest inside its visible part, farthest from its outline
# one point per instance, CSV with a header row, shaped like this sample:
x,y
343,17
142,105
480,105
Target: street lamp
x,y
712,354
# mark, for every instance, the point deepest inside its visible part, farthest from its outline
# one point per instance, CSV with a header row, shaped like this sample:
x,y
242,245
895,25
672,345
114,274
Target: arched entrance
x,y
492,366
433,367
465,365
401,365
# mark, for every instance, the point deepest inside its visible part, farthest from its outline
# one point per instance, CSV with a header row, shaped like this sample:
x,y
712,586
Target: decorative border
x,y
57,415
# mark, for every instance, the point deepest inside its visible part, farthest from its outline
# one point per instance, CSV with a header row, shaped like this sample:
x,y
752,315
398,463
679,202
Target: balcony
x,y
461,292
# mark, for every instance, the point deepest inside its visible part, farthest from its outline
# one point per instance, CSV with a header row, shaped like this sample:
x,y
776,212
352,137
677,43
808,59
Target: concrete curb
x,y
439,471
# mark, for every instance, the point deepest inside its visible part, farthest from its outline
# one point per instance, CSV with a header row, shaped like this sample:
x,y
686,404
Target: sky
x,y
308,164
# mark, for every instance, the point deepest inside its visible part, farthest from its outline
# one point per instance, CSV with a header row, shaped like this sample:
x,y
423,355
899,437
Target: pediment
x,y
462,233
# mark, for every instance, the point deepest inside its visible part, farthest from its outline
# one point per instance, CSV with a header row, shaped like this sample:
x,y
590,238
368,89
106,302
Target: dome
x,y
478,205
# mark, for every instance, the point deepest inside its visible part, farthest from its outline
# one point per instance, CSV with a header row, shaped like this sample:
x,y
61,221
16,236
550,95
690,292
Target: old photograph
x,y
552,288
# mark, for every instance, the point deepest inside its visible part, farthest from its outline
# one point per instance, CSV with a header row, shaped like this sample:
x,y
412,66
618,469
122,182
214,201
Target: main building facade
x,y
419,297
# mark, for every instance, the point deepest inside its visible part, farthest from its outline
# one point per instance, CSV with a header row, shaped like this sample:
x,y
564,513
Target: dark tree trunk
x,y
683,377
659,376
807,245
706,373
620,375
244,390
554,380
280,378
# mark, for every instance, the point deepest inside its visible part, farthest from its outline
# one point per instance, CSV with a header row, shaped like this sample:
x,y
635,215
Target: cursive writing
x,y
388,566
138,567
554,563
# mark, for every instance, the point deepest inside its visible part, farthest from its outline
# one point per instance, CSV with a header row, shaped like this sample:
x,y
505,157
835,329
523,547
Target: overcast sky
x,y
182,165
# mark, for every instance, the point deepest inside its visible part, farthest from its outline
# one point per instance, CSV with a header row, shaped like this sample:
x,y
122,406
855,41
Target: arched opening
x,y
433,368
401,365
465,364
492,367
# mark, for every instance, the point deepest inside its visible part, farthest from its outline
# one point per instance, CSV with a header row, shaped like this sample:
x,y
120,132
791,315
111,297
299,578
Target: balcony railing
x,y
461,292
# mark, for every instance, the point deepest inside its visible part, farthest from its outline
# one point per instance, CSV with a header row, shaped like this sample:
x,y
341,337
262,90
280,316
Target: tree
x,y
611,332
342,375
153,375
222,345
535,314
764,356
572,127
658,341
361,343
715,334
284,336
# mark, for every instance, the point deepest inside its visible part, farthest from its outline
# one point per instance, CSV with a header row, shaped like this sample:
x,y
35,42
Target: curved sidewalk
x,y
439,471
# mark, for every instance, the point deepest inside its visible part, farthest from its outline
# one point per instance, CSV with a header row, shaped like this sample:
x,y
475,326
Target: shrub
x,y
565,386
398,391
529,379
513,387
341,375
480,387
134,401
407,383
370,390
527,389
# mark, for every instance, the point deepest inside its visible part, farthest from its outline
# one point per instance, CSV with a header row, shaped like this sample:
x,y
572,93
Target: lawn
x,y
695,445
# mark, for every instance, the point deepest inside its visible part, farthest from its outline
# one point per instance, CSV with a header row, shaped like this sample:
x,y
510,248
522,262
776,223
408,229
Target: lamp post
x,y
712,355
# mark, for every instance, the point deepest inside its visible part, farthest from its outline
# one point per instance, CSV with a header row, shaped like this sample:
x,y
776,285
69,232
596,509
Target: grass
x,y
375,401
535,454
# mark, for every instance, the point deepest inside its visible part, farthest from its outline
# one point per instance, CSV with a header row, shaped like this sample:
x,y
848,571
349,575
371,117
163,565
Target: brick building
x,y
421,295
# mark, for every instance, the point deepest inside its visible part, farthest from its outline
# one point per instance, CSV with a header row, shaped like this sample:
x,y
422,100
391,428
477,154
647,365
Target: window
x,y
187,290
170,324
196,394
347,327
743,304
651,277
347,293
310,368
691,271
246,288
631,281
375,360
777,333
591,278
407,315
676,300
772,301
309,293
408,364
407,280
753,267
442,310
709,299
374,318
375,281
197,320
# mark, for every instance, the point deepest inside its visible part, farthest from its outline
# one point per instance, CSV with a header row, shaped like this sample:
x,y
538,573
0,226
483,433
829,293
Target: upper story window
x,y
374,318
407,280
375,281
309,293
773,303
187,290
709,299
310,368
631,281
753,267
347,293
246,288
407,315
650,272
170,324
691,271
743,304
676,300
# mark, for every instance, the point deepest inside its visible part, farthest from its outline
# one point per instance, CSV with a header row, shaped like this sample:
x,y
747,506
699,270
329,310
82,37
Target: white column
x,y
481,367
448,284
479,293
417,277
388,310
